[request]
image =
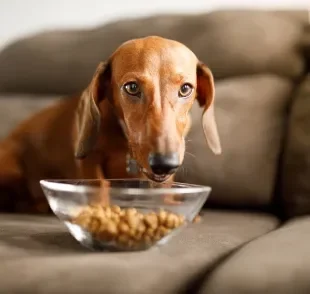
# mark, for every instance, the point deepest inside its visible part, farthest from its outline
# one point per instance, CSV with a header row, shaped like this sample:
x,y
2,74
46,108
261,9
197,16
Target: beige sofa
x,y
255,233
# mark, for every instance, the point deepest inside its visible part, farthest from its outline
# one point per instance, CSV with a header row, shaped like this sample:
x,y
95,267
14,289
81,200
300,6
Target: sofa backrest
x,y
232,43
257,60
294,186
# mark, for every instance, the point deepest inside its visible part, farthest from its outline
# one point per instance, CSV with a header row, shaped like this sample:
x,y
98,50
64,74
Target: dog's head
x,y
152,84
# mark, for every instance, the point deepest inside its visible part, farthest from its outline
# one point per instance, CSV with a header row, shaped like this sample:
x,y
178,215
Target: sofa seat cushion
x,y
278,262
38,255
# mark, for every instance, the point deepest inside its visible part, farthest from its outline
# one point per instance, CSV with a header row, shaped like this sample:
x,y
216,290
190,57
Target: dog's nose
x,y
164,164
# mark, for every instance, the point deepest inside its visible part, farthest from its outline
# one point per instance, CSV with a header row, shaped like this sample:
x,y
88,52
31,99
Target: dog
x,y
137,103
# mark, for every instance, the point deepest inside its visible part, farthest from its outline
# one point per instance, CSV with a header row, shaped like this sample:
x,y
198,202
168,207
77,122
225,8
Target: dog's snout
x,y
164,164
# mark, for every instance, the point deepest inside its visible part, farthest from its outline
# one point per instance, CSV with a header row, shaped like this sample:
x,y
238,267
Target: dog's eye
x,y
132,88
185,90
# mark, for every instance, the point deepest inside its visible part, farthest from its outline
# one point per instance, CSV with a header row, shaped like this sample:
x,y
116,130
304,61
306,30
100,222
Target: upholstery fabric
x,y
277,263
232,43
251,118
39,256
296,159
16,108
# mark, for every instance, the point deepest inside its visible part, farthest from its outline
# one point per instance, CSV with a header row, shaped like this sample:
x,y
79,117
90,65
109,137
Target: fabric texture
x,y
16,108
295,183
251,116
277,263
232,43
46,259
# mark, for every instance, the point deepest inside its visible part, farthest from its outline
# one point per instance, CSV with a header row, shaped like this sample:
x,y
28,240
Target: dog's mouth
x,y
156,178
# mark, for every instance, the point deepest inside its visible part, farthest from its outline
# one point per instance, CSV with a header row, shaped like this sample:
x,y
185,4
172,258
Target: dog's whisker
x,y
184,171
191,154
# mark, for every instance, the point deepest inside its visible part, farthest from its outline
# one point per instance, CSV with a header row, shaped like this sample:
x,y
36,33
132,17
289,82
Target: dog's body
x,y
34,151
137,103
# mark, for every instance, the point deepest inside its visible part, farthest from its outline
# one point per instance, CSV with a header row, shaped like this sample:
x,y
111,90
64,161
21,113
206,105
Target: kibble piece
x,y
124,239
132,233
197,219
137,236
149,232
163,231
111,228
141,228
96,210
103,222
133,221
147,239
98,213
82,220
176,221
156,236
151,220
170,221
116,209
108,212
123,227
131,212
115,217
140,216
94,225
162,216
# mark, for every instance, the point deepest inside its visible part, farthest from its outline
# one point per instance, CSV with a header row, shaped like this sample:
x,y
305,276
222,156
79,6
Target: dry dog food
x,y
127,227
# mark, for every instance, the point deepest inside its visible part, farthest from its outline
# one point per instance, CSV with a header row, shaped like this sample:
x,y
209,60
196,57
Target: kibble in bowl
x,y
124,215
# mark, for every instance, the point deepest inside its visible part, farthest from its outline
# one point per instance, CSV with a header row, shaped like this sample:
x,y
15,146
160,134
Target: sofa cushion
x,y
230,42
16,108
38,255
251,117
295,186
277,263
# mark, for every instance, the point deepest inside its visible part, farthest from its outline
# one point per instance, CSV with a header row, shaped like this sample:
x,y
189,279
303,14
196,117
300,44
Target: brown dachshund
x,y
137,103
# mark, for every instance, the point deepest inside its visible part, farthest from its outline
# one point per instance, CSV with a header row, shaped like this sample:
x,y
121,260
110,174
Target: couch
x,y
255,231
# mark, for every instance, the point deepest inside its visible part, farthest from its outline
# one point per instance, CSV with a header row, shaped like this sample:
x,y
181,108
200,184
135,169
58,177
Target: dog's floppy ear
x,y
88,116
205,97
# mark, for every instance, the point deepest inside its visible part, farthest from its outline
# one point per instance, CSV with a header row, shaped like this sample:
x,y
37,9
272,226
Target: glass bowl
x,y
123,215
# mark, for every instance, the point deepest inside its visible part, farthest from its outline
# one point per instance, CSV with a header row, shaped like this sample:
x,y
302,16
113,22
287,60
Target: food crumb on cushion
x,y
197,219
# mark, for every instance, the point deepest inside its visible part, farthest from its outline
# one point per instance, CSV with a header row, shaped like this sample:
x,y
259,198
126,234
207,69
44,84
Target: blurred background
x,y
20,18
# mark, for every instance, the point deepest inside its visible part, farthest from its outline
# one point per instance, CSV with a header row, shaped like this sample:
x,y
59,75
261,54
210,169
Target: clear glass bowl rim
x,y
69,186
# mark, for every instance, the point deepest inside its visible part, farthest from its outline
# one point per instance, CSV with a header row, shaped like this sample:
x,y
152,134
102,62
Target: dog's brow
x,y
180,77
135,76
